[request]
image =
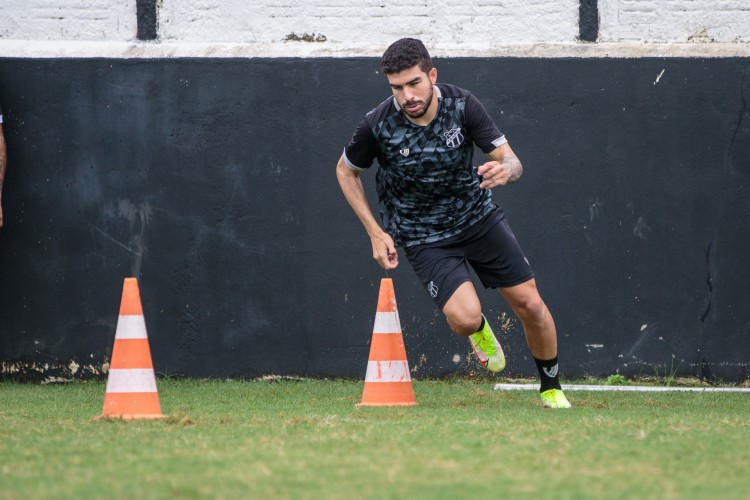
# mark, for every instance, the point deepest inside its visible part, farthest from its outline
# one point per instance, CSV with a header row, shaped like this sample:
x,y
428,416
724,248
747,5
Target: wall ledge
x,y
27,49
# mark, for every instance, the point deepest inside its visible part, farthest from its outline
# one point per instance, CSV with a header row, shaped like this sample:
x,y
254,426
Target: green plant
x,y
616,379
669,373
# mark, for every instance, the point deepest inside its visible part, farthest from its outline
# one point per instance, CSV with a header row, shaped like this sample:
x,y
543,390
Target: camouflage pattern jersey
x,y
427,185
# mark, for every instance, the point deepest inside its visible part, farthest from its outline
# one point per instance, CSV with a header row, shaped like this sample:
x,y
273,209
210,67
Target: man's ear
x,y
433,75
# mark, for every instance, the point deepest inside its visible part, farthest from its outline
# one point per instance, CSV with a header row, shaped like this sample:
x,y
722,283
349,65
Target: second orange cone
x,y
387,381
131,385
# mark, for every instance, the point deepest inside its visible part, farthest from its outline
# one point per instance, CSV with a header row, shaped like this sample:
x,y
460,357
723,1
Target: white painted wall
x,y
93,20
245,28
681,21
366,23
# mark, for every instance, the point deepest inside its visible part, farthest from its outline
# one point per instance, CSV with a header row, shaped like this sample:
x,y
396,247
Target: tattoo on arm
x,y
513,165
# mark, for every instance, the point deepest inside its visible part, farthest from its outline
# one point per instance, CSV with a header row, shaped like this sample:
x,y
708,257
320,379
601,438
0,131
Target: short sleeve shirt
x,y
428,188
1,114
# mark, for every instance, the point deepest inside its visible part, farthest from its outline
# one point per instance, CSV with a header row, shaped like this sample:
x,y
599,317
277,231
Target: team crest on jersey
x,y
453,138
404,152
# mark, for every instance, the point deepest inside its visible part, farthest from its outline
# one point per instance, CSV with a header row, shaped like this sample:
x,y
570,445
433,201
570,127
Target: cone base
x,y
130,405
386,404
388,394
130,417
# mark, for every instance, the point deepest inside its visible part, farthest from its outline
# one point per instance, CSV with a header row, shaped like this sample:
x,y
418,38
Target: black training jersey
x,y
428,188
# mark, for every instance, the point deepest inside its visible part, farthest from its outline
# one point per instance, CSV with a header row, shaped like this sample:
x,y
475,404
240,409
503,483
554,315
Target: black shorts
x,y
489,247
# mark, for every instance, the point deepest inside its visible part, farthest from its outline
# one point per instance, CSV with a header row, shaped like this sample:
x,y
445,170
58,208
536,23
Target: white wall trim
x,y
132,50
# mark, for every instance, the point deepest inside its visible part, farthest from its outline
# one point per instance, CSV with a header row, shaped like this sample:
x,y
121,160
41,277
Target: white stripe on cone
x,y
388,371
131,327
386,322
131,380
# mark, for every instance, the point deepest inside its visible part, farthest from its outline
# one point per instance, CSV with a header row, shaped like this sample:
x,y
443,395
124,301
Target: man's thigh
x,y
441,270
497,258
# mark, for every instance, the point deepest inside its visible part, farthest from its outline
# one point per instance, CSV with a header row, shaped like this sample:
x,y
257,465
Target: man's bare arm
x,y
383,248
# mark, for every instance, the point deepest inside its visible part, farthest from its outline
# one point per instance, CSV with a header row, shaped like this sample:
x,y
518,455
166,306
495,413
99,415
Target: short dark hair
x,y
404,54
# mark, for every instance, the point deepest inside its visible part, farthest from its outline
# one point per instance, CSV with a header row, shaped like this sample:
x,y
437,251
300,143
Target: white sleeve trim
x,y
352,165
499,141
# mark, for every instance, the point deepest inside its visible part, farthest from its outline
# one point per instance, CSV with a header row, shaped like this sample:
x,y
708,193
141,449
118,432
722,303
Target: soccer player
x,y
3,161
436,205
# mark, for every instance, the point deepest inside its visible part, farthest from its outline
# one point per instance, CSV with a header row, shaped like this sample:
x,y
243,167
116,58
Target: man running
x,y
436,205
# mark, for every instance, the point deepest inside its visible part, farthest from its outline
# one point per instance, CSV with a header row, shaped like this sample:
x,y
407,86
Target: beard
x,y
421,111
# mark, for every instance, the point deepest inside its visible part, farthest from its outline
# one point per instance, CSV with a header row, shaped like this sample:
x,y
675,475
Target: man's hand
x,y
494,173
503,167
384,251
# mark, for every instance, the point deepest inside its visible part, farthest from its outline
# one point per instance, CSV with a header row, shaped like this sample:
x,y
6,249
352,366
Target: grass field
x,y
305,439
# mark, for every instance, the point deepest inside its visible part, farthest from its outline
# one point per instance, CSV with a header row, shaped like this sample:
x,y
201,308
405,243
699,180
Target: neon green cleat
x,y
554,398
487,349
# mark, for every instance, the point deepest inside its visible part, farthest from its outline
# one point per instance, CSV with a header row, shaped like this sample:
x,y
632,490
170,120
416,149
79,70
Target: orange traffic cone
x,y
387,381
131,385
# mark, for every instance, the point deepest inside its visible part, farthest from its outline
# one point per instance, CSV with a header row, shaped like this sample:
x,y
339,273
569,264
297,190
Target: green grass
x,y
305,439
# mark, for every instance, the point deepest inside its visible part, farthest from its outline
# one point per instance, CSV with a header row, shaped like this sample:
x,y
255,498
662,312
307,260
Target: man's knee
x,y
531,308
466,321
463,310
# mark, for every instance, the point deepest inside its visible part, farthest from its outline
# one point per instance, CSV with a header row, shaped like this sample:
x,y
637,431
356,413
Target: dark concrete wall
x,y
213,182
